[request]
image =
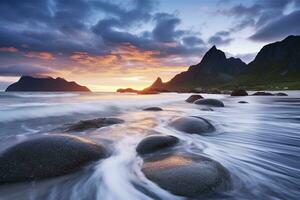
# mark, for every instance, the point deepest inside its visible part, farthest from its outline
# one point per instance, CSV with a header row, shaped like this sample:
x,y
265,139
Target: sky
x,y
111,44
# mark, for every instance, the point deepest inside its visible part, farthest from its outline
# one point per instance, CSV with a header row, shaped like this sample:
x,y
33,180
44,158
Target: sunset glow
x,y
106,45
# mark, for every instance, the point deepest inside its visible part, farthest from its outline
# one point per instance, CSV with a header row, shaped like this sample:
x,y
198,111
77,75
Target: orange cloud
x,y
40,55
86,59
126,55
9,49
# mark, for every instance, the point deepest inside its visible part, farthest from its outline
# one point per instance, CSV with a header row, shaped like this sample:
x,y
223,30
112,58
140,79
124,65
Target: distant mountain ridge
x,y
49,84
276,66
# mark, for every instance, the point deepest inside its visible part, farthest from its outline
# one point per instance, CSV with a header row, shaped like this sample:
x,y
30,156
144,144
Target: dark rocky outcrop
x,y
155,143
262,94
210,102
193,98
239,92
127,90
276,66
31,84
242,102
47,156
192,125
92,123
214,69
153,109
188,176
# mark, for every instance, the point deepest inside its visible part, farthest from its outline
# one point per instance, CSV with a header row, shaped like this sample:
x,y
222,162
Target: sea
x,y
257,142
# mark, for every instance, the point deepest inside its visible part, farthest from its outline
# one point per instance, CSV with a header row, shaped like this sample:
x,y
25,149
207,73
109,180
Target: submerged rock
x,y
193,98
239,92
262,94
47,156
93,123
154,143
189,176
206,109
281,94
192,125
153,109
210,102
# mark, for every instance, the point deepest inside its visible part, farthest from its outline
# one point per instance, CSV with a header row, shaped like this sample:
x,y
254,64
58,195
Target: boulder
x,y
92,123
281,94
47,156
262,94
155,143
153,109
242,102
210,102
193,98
239,92
188,176
193,125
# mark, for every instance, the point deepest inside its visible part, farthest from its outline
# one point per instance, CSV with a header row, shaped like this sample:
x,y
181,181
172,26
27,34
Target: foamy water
x,y
259,143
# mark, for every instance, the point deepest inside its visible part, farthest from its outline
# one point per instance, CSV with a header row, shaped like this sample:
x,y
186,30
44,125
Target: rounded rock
x,y
210,102
193,125
189,176
239,92
153,109
281,94
155,143
92,124
193,98
47,156
262,94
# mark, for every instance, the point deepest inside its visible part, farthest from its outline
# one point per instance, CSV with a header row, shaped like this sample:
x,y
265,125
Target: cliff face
x,y
31,84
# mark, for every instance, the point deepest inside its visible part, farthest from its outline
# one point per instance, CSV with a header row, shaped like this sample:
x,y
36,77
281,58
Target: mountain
x,y
276,66
32,84
213,70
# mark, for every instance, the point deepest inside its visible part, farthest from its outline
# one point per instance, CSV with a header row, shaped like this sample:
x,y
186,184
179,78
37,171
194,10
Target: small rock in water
x,y
210,102
243,102
153,109
262,94
188,176
239,92
93,123
207,109
47,156
193,98
193,125
154,143
281,94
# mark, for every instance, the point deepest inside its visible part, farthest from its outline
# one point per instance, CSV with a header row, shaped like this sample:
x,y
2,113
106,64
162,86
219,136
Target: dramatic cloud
x,y
19,70
220,38
192,41
258,14
287,25
103,39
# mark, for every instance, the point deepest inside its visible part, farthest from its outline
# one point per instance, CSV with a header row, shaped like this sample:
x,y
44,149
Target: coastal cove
x,y
255,144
